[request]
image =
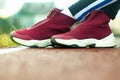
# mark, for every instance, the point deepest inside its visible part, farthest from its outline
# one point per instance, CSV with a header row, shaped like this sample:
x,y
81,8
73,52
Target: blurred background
x,y
17,14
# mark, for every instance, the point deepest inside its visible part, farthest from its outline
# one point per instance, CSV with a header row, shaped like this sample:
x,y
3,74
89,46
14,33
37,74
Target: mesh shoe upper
x,y
55,23
95,26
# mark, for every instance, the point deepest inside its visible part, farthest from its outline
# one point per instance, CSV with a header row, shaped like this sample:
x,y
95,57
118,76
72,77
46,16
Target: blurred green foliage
x,y
5,26
6,42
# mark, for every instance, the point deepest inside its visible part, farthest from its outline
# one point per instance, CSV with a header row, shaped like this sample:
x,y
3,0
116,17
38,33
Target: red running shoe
x,y
39,34
93,32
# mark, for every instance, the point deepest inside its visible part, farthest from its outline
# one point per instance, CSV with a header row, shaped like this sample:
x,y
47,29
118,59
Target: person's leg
x,y
111,10
81,8
94,31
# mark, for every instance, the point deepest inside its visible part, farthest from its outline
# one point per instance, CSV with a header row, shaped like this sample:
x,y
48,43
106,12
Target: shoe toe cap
x,y
20,36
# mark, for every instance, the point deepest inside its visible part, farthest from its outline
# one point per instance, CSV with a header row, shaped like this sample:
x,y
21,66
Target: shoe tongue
x,y
55,10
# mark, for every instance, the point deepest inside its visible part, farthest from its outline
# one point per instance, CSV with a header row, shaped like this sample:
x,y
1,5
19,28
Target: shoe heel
x,y
108,42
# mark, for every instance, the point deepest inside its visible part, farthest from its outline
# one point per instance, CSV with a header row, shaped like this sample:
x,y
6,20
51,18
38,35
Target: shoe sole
x,y
108,42
32,43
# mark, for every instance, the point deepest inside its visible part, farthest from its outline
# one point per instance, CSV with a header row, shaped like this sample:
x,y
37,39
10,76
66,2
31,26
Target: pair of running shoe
x,y
55,30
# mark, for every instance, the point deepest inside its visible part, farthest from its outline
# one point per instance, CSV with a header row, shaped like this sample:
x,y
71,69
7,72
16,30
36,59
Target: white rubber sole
x,y
32,43
108,41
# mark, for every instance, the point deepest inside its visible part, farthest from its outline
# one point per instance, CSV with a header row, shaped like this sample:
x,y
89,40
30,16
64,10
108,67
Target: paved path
x,y
61,64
